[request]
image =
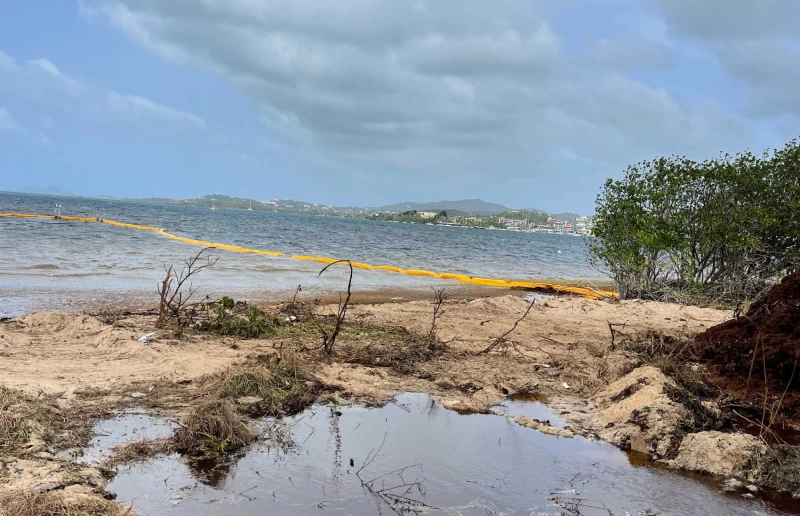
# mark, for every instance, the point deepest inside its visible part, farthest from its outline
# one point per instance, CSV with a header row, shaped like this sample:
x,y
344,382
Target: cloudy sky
x,y
528,103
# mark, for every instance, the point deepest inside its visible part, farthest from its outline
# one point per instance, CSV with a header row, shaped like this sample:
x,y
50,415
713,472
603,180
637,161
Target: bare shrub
x,y
176,290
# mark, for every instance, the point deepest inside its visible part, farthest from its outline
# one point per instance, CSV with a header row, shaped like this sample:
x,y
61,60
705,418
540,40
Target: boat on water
x,y
251,205
213,208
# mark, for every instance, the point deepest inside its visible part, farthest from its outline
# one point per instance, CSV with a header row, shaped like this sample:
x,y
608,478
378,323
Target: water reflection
x,y
476,464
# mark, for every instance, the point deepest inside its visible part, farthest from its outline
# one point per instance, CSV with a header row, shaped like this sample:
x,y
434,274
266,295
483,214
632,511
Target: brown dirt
x,y
760,349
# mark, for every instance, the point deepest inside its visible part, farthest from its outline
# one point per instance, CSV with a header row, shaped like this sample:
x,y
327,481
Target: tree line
x,y
720,230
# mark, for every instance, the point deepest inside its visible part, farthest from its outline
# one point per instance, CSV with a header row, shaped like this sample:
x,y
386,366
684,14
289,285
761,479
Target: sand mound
x,y
62,352
637,413
768,335
64,327
718,453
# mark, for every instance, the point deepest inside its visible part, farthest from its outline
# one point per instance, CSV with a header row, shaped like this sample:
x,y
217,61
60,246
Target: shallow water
x,y
44,256
466,464
131,425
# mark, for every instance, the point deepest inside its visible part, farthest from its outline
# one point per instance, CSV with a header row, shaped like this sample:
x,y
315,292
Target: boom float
x,y
589,293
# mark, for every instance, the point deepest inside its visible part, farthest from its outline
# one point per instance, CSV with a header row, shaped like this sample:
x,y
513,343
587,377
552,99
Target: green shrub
x,y
720,230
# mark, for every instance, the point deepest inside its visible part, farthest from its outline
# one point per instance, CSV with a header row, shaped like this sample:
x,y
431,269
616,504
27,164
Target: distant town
x,y
472,213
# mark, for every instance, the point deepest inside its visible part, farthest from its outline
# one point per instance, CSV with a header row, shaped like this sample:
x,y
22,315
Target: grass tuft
x,y
279,381
212,428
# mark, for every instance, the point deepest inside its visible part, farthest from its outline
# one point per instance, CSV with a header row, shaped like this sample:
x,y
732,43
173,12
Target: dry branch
x,y
329,340
501,340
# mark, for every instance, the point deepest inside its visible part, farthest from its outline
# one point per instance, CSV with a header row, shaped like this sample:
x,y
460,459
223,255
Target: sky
x,y
528,103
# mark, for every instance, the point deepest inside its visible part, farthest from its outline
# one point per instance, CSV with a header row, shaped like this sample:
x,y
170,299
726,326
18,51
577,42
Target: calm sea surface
x,y
58,264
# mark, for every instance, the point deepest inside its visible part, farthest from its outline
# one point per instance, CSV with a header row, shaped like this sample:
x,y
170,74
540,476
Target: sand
x,y
63,352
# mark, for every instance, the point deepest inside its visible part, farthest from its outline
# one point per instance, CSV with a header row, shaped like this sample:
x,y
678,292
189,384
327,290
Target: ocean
x,y
56,264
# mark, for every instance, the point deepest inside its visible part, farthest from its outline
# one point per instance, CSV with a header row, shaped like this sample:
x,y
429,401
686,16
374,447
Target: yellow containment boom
x,y
487,282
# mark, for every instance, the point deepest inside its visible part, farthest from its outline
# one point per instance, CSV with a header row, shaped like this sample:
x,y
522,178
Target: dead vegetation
x,y
56,503
143,449
280,382
393,347
212,428
18,419
402,495
28,423
676,357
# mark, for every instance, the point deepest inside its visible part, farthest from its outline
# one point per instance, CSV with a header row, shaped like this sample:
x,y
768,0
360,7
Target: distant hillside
x,y
475,206
567,215
45,190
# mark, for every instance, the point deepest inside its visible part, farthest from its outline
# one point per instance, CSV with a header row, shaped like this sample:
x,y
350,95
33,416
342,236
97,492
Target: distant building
x,y
427,214
512,223
567,228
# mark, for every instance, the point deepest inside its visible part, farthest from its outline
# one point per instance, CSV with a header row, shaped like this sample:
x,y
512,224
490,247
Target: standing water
x,y
421,458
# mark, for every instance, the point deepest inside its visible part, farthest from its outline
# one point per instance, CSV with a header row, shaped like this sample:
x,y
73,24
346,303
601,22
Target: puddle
x,y
530,405
131,425
466,464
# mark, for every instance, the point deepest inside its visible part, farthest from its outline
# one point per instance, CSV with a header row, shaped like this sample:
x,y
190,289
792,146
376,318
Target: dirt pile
x,y
637,412
718,453
762,344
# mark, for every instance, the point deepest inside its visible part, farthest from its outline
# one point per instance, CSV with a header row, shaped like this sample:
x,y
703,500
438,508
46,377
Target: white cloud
x,y
47,66
7,122
145,111
429,85
39,77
